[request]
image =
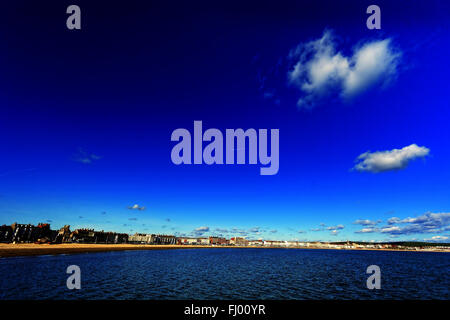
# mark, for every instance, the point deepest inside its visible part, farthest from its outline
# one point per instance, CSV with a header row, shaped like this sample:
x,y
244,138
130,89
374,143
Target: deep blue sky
x,y
86,118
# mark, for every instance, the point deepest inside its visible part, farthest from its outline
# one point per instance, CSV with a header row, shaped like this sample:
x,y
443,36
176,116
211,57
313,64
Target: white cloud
x,y
393,220
394,159
319,70
373,62
84,157
136,207
338,227
437,238
367,230
366,222
202,229
393,229
334,232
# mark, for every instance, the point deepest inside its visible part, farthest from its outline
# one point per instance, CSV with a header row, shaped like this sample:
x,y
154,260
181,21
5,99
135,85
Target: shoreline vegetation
x,y
30,249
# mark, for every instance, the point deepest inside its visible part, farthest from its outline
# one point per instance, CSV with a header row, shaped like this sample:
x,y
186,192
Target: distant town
x,y
43,234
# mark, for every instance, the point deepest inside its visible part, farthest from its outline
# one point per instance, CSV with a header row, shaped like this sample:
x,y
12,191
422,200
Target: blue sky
x,y
86,118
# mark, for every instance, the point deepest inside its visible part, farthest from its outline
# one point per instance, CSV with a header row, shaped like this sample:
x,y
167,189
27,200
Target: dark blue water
x,y
228,274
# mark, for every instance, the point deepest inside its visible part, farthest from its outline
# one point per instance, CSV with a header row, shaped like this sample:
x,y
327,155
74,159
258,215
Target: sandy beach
x,y
30,249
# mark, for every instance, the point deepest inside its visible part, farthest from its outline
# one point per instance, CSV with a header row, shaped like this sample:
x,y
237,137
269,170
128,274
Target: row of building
x,y
214,241
28,233
42,233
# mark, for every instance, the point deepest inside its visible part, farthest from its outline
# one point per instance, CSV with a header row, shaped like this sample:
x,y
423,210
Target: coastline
x,y
29,249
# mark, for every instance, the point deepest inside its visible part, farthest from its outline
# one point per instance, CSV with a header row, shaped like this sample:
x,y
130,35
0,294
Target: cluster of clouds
x,y
241,232
334,230
395,159
369,225
320,70
255,231
426,223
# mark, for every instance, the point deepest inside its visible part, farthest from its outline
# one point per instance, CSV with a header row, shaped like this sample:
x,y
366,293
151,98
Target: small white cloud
x,y
366,222
391,229
319,70
367,230
437,238
393,220
197,232
136,207
395,159
84,157
338,227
